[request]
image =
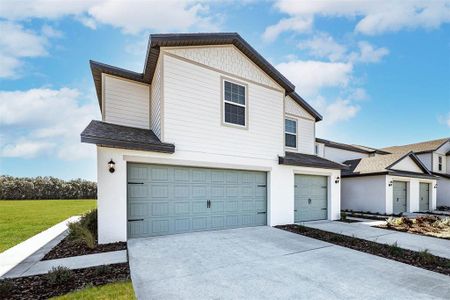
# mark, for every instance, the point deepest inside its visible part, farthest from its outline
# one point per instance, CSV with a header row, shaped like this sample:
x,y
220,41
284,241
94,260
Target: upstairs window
x,y
290,133
316,149
235,103
440,163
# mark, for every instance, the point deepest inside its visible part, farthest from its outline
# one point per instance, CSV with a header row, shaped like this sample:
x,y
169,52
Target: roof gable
x,y
406,164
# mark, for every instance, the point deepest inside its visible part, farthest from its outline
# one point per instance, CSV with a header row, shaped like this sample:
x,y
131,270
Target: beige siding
x,y
227,59
126,102
157,97
193,107
407,164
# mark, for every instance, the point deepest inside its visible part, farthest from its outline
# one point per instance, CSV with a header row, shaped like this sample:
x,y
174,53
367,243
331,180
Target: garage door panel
x,y
399,197
175,199
311,198
424,197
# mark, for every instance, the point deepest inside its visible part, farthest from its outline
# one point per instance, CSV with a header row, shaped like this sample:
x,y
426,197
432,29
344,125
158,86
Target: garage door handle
x,y
309,201
135,220
135,183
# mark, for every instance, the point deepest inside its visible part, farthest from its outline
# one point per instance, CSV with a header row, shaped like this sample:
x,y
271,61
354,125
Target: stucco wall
x,y
365,193
443,192
112,187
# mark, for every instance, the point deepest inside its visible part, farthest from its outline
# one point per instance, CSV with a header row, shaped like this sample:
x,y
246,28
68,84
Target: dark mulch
x,y
68,248
40,286
348,221
422,260
443,208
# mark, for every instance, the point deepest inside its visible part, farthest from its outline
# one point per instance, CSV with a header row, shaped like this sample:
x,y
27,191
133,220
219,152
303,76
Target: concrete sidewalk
x,y
415,242
10,258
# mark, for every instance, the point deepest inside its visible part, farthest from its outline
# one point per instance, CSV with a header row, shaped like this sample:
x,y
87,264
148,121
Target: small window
x,y
290,133
440,163
316,149
234,103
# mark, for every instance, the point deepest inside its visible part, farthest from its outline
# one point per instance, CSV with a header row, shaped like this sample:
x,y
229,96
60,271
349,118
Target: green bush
x,y
17,188
85,230
59,275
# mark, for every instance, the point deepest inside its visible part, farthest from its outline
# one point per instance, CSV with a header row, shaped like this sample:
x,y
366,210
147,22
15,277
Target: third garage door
x,y
311,198
170,199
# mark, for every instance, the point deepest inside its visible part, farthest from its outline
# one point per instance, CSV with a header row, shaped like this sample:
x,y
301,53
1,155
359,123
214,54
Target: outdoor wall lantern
x,y
337,179
390,183
111,166
435,186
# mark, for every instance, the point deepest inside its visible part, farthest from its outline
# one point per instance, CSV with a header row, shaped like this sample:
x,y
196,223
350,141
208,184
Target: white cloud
x,y
373,17
445,120
297,24
44,122
368,53
310,76
17,43
131,16
323,45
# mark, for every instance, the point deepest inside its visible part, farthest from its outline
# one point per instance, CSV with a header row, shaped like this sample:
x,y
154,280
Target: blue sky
x,y
379,72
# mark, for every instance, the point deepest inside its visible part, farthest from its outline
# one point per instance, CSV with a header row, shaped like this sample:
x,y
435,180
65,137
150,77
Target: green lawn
x,y
119,290
21,219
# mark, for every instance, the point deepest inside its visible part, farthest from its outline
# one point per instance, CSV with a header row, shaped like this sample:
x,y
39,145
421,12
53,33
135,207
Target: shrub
x,y
85,230
18,188
343,216
59,275
427,257
395,250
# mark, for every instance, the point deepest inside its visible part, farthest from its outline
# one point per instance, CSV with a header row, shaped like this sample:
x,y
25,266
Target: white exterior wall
x,y
306,136
126,102
425,158
412,193
156,103
407,164
340,155
320,149
441,152
112,187
364,193
443,192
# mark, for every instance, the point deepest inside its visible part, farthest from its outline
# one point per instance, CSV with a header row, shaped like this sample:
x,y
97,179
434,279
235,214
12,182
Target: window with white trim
x,y
316,149
440,163
235,103
290,133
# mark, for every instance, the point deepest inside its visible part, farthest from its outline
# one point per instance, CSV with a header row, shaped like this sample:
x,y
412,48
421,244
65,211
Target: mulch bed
x,y
68,248
422,260
40,286
348,221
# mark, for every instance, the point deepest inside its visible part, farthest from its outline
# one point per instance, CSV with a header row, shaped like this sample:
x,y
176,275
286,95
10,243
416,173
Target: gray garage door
x,y
399,197
310,198
168,199
424,203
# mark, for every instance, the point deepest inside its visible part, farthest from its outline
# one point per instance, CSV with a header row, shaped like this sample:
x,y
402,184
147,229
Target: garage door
x,y
310,198
168,199
399,197
424,203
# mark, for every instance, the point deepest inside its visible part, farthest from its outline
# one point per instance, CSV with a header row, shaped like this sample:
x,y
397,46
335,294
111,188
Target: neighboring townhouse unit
x,y
435,155
378,181
209,136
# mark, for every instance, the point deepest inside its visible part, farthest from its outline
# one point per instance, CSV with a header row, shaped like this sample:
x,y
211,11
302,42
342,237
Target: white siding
x,y
320,149
443,192
441,152
340,155
293,108
425,158
306,123
126,102
365,193
192,114
407,164
227,59
157,98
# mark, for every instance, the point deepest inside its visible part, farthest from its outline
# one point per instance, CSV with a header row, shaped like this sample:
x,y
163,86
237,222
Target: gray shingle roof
x,y
124,137
196,39
421,147
307,160
354,148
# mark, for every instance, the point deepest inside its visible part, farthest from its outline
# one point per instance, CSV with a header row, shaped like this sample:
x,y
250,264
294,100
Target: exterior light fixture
x,y
337,179
435,186
390,183
111,166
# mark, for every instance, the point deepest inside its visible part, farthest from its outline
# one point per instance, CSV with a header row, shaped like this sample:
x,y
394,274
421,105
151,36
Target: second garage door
x,y
424,194
169,199
310,196
399,198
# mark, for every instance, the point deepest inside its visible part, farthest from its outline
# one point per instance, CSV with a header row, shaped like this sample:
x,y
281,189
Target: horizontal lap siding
x,y
156,100
306,136
192,111
126,103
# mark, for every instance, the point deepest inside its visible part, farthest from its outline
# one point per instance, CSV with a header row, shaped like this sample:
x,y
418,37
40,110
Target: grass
x,y
118,290
22,219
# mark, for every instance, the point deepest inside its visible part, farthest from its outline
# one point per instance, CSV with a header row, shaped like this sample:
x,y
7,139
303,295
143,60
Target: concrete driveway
x,y
268,263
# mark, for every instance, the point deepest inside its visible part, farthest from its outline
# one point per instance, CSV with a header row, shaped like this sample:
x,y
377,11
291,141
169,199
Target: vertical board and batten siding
x,y
306,137
156,103
126,102
407,164
193,108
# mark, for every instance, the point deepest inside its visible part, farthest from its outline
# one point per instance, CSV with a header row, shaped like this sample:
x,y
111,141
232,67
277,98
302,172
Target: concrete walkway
x,y
15,255
76,262
268,263
415,242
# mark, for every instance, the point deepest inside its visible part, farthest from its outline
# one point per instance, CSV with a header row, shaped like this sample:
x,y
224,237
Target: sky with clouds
x,y
378,71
